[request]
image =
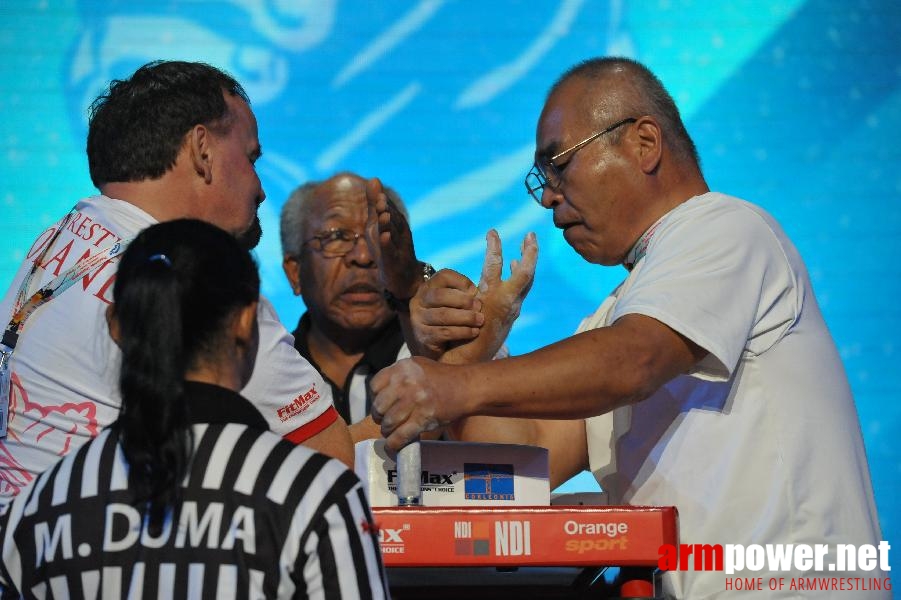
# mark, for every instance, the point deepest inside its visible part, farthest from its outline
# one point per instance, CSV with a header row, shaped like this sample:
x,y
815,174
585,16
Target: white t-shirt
x,y
761,444
65,366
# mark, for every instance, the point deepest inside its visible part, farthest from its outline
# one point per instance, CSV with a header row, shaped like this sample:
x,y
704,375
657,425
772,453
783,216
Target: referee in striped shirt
x,y
188,495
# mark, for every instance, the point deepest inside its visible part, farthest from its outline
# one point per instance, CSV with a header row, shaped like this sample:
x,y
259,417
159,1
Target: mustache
x,y
363,286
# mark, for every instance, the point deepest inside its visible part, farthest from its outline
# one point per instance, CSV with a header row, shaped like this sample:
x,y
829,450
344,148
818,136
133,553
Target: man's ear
x,y
650,143
291,266
112,323
246,335
200,150
245,324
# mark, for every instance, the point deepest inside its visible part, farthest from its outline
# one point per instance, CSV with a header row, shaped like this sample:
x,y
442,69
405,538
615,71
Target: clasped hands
x,y
454,322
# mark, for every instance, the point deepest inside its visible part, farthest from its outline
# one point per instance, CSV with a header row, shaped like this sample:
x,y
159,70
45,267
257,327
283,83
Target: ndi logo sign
x,y
511,538
483,481
472,538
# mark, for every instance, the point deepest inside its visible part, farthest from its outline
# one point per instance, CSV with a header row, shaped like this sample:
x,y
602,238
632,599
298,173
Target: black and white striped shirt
x,y
353,399
259,518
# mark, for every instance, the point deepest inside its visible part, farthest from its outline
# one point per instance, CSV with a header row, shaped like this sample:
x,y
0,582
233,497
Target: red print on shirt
x,y
37,431
298,405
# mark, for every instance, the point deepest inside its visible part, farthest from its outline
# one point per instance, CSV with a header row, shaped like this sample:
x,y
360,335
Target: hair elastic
x,y
162,258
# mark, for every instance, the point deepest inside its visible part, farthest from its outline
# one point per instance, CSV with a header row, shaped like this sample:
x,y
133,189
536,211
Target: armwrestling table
x,y
523,552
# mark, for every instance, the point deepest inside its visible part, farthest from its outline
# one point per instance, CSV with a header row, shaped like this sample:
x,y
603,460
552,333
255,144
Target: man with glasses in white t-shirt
x,y
707,380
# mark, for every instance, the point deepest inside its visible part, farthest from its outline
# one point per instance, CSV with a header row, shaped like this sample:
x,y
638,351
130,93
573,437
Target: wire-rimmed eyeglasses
x,y
336,242
550,172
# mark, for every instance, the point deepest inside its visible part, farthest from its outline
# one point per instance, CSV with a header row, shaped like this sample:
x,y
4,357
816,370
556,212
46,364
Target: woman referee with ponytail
x,y
188,495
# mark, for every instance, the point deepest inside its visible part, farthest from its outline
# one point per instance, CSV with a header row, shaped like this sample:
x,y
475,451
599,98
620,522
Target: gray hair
x,y
651,98
296,211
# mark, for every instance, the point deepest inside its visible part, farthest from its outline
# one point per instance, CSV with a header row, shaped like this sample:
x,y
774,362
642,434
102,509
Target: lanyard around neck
x,y
641,246
25,305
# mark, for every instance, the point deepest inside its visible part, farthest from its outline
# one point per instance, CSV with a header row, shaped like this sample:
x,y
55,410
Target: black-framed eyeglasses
x,y
550,172
335,242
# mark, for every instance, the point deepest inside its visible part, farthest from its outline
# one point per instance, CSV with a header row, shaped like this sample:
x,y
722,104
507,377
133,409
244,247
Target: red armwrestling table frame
x,y
519,552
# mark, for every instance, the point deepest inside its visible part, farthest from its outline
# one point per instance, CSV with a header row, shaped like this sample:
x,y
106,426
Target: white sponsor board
x,y
460,474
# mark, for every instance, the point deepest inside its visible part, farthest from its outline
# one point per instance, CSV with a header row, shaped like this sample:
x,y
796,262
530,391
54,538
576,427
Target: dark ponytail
x,y
178,285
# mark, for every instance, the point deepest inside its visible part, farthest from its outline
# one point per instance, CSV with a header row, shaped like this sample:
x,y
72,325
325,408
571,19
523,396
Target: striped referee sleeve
x,y
331,551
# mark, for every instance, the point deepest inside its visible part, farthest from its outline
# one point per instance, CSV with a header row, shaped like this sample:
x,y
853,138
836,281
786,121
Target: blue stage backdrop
x,y
795,105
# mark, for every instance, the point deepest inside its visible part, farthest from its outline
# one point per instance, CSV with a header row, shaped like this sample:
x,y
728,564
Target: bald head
x,y
616,88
